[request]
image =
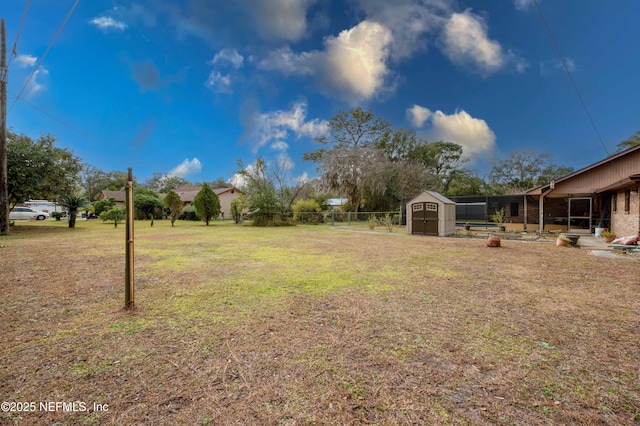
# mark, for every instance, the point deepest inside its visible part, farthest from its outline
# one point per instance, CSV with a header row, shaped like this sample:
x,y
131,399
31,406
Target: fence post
x,y
128,285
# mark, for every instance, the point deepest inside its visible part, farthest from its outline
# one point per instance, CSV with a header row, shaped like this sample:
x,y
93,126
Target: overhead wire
x,y
37,66
566,68
67,125
14,51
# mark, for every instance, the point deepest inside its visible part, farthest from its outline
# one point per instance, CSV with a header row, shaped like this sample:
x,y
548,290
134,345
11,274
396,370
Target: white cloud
x,y
353,64
473,134
219,83
279,146
187,167
280,19
274,128
284,162
466,43
25,61
555,65
288,62
408,20
418,115
523,4
106,23
37,85
303,178
356,59
228,55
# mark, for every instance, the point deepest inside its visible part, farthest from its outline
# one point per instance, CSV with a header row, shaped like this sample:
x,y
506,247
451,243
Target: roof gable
x,y
605,174
118,196
439,197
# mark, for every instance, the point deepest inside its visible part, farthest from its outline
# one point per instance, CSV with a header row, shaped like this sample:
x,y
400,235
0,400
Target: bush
x,y
270,219
58,215
115,214
307,211
189,213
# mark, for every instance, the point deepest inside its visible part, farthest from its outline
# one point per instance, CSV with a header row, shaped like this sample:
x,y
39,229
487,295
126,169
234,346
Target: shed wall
x,y
446,214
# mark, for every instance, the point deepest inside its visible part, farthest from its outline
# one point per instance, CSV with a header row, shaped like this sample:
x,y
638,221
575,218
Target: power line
x,y
14,52
43,56
573,83
69,126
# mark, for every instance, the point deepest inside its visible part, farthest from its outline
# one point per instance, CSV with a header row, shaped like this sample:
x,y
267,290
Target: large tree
x,y
207,204
524,169
403,177
466,182
163,183
37,169
441,159
347,164
95,180
261,192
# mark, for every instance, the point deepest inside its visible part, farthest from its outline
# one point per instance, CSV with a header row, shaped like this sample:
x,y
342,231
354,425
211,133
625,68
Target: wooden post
x,y
525,213
4,180
128,274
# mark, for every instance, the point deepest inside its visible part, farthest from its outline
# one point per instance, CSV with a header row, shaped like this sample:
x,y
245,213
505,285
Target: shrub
x,y
115,214
372,222
389,221
307,211
189,213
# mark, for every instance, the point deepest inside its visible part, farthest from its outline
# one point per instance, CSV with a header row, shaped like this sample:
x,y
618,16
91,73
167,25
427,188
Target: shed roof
x,y
437,196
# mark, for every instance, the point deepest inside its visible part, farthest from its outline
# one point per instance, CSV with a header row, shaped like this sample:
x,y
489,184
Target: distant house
x,y
187,194
226,196
336,202
118,196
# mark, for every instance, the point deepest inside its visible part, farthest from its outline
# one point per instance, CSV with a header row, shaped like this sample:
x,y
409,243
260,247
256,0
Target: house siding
x,y
591,181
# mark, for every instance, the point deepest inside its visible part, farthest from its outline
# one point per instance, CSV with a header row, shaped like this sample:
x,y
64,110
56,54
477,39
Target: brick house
x,y
604,195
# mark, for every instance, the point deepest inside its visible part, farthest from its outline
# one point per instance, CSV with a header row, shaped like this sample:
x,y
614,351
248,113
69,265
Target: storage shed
x,y
431,213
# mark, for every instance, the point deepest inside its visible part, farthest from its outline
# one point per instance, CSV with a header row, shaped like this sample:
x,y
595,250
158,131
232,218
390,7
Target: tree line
x,y
362,158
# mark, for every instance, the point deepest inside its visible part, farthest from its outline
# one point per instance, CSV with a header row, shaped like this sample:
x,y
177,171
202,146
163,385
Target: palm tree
x,y
72,203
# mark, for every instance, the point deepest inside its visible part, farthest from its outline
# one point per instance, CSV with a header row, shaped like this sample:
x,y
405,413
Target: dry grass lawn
x,y
306,325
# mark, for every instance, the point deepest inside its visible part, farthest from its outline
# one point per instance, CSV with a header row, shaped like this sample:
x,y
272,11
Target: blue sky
x,y
189,87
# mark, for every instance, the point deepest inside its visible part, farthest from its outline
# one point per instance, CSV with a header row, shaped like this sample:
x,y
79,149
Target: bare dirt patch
x,y
305,325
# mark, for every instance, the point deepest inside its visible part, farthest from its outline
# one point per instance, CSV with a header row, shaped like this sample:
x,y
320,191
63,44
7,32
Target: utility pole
x,y
4,176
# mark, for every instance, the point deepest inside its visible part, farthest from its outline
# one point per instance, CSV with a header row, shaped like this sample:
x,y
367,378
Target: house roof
x,y
336,202
542,188
188,193
118,196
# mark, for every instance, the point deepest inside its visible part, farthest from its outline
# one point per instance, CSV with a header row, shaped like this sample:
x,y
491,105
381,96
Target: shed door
x,y
424,219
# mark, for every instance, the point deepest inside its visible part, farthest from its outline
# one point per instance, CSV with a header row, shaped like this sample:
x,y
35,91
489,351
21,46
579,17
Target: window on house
x,y
614,203
627,201
514,210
